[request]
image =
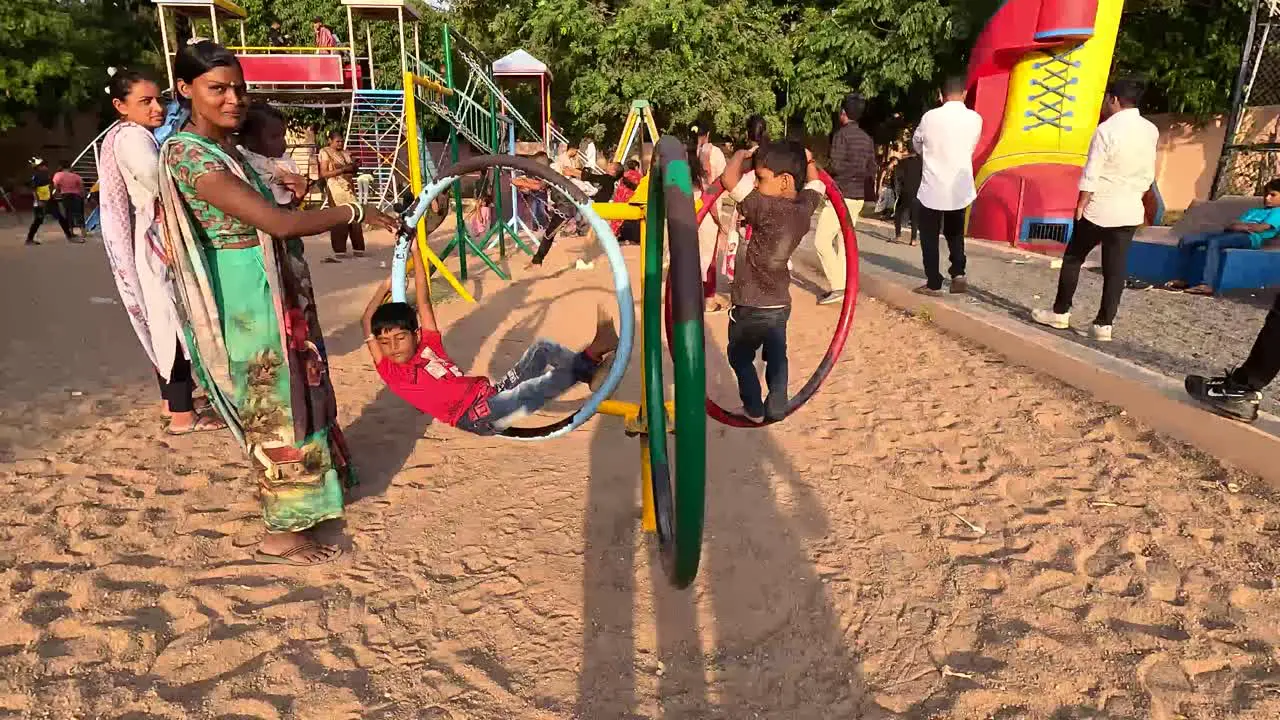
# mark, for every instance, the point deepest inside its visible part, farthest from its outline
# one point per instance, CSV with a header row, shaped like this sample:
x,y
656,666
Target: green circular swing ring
x,y
679,500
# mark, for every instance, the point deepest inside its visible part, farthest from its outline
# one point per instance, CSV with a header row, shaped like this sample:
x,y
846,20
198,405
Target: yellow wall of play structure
x,y
1086,71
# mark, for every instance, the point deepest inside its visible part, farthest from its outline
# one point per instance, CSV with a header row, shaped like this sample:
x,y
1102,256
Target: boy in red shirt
x,y
409,355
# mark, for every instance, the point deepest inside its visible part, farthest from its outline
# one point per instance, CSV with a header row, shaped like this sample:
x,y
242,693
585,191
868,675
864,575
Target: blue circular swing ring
x,y
617,265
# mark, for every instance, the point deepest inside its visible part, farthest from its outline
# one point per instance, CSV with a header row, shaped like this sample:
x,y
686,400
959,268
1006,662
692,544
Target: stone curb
x,y
1147,396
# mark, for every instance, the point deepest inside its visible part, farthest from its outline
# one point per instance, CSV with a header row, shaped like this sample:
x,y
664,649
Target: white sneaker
x,y
1101,333
1058,321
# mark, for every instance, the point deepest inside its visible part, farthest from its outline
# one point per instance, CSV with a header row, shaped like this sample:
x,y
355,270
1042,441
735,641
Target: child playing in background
x,y
69,189
627,231
410,357
779,211
480,217
560,207
1252,229
43,191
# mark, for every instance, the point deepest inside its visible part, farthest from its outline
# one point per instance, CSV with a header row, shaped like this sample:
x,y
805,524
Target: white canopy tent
x,y
522,64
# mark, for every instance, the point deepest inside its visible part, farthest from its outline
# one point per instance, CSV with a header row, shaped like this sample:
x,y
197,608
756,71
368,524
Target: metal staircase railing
x,y
86,163
375,138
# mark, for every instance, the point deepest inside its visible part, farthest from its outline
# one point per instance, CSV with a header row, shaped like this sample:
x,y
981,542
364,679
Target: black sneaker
x,y
1225,397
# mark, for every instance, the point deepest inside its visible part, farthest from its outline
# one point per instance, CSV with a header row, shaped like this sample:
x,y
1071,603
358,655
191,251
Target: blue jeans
x,y
538,209
752,329
1213,243
546,371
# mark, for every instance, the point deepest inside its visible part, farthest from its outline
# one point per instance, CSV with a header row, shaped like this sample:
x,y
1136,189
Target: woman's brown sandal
x,y
203,423
290,556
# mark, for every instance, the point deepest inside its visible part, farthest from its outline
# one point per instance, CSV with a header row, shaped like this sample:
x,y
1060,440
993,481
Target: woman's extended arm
x,y
234,197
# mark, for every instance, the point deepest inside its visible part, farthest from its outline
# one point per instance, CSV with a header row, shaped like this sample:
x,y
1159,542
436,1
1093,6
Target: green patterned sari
x,y
246,300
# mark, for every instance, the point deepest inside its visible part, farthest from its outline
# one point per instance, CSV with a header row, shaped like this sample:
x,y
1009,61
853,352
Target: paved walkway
x,y
1170,333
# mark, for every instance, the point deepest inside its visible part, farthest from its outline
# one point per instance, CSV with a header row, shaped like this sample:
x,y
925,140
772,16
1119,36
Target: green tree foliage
x,y
723,59
54,53
1188,51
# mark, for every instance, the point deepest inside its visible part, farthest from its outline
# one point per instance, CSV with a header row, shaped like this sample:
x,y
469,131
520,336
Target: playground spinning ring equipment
x,y
674,495
843,324
621,280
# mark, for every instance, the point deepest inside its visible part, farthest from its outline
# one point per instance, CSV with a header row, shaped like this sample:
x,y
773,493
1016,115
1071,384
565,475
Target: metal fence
x,y
1251,155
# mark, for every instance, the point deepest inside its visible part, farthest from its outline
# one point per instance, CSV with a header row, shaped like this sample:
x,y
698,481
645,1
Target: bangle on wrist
x,y
360,210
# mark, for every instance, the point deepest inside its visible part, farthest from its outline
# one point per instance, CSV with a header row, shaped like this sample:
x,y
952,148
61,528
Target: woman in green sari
x,y
241,297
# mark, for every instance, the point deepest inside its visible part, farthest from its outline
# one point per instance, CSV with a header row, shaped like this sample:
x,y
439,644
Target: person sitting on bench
x,y
1254,228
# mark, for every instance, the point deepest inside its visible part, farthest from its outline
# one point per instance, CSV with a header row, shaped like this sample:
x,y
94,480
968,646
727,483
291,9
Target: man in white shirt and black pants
x,y
1119,170
945,139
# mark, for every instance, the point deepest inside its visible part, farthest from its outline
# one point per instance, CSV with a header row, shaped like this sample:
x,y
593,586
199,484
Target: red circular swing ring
x,y
843,325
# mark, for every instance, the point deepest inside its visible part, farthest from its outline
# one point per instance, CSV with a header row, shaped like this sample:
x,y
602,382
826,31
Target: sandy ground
x,y
938,534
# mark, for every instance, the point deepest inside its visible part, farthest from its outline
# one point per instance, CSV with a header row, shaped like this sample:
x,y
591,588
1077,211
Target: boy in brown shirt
x,y
779,211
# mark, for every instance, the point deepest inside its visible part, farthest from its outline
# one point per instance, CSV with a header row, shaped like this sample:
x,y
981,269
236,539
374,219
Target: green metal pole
x,y
454,154
494,141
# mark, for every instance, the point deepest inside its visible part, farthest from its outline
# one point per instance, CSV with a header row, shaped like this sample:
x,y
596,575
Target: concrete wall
x,y
1189,150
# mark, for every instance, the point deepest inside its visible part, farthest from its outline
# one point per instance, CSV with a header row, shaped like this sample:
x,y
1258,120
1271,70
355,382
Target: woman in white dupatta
x,y
130,189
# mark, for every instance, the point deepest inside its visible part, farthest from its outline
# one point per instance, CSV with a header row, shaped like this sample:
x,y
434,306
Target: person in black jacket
x,y
853,167
906,183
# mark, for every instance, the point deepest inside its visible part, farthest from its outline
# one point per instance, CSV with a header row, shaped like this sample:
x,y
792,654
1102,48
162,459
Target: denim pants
x,y
1213,243
546,371
752,329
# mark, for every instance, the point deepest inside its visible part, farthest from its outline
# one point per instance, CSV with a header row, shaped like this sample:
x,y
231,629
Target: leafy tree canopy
x,y
694,59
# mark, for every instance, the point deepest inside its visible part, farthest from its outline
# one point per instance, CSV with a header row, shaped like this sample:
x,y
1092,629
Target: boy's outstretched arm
x,y
733,170
371,342
426,314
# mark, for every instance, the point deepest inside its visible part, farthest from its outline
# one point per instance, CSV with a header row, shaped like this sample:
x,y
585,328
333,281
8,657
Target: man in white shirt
x,y
1119,170
945,139
590,162
569,164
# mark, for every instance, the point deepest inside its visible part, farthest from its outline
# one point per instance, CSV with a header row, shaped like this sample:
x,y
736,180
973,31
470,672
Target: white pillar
x,y
164,39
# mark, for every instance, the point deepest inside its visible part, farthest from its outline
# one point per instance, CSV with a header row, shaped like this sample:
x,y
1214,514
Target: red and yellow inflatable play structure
x,y
1037,75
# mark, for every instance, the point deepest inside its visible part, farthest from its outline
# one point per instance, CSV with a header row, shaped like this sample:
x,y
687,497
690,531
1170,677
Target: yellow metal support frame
x,y
412,81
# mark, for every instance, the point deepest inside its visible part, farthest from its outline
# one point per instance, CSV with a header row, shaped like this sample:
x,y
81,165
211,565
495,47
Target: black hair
x,y
1272,186
704,126
954,85
697,173
784,156
317,19
199,58
853,106
257,117
542,157
757,129
393,316
334,134
1127,90
632,164
122,82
